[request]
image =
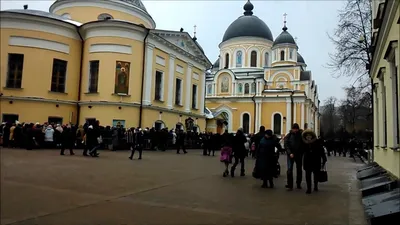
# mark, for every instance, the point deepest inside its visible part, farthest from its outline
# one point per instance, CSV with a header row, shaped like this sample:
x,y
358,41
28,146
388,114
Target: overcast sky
x,y
309,21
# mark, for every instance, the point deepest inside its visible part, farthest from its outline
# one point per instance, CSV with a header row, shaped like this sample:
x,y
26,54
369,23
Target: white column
x,y
376,118
214,93
188,87
295,113
382,106
148,74
257,88
260,88
202,93
259,116
171,77
288,115
233,88
302,115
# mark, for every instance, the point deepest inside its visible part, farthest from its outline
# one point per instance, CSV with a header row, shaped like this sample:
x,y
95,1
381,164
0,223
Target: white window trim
x,y
180,95
162,84
195,97
241,120
273,122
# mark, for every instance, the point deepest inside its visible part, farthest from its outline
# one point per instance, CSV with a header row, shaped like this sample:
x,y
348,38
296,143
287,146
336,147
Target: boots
x,y
226,173
232,171
316,187
242,173
264,184
271,183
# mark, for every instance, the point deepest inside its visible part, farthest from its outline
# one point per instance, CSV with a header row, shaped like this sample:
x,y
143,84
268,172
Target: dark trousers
x,y
69,146
139,149
179,146
298,159
236,162
308,178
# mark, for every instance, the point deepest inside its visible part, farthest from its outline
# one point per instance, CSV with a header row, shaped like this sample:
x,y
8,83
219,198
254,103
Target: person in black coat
x,y
266,162
314,158
67,140
239,152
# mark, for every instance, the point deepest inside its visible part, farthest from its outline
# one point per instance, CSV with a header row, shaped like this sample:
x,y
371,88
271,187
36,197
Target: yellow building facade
x,y
384,72
258,81
91,60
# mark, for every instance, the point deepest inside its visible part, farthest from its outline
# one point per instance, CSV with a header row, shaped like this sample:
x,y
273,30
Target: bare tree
x,y
329,117
355,109
352,40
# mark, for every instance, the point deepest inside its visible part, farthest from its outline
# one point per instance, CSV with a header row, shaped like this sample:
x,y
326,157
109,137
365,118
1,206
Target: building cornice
x,y
94,103
15,20
388,17
183,55
110,4
245,40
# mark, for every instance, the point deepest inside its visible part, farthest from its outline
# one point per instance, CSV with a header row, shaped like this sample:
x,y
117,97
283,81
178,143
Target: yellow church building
x,y
260,81
88,60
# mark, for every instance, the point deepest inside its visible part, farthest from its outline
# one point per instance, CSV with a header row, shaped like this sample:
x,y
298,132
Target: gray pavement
x,y
41,187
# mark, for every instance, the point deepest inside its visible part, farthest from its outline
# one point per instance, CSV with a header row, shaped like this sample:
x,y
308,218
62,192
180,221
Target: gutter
x,y
78,110
143,73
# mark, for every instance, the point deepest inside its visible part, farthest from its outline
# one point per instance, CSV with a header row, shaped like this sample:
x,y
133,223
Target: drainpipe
x,y
292,109
143,73
255,107
78,111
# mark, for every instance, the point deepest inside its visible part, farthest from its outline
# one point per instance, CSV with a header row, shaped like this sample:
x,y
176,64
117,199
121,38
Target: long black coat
x,y
238,145
266,161
314,154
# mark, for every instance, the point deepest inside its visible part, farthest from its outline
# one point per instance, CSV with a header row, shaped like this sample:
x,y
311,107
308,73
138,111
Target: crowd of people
x,y
304,149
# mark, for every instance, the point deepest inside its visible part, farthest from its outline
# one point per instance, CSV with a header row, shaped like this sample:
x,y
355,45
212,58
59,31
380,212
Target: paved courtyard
x,y
41,187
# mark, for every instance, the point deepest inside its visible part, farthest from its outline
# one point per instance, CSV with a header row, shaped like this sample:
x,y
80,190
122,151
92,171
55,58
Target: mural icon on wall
x,y
225,84
122,77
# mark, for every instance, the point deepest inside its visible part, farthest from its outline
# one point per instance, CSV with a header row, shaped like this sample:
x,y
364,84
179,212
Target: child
x,y
226,158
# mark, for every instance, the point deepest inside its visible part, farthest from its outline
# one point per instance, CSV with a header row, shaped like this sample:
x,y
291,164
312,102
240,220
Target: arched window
x,y
209,89
291,54
247,88
253,59
277,124
246,123
266,59
105,16
239,59
240,88
282,55
226,61
253,88
273,55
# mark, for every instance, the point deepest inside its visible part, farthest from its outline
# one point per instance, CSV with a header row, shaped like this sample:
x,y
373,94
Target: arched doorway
x,y
277,124
246,123
179,126
159,124
222,122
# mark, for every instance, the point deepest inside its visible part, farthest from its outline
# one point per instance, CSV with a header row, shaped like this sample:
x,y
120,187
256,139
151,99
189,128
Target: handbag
x,y
323,175
278,170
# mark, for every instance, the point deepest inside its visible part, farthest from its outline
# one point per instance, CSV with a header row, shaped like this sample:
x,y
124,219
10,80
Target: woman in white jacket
x,y
49,136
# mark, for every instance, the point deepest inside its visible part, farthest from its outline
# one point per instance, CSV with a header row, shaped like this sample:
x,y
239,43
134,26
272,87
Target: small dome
x,y
300,58
284,38
248,26
216,64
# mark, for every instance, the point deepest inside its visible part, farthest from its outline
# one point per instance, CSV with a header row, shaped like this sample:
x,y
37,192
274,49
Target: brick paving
x,y
41,187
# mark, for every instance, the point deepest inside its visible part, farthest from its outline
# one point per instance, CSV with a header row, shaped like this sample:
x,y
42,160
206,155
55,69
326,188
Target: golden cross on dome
x,y
194,30
284,18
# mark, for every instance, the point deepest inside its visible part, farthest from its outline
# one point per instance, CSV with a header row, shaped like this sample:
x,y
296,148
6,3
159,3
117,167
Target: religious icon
x,y
240,89
239,58
122,77
246,88
225,84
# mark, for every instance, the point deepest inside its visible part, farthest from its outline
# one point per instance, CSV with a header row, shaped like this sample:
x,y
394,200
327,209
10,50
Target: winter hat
x,y
269,132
